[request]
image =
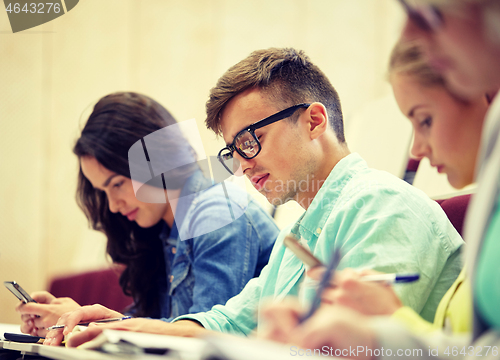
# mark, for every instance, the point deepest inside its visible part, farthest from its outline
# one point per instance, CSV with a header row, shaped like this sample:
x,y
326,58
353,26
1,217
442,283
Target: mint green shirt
x,y
487,289
378,221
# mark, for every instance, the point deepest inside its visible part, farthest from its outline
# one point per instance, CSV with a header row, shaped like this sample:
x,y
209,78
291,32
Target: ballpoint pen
x,y
87,323
391,278
324,283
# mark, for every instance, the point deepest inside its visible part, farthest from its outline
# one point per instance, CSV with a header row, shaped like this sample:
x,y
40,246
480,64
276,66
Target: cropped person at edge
x,y
447,130
461,40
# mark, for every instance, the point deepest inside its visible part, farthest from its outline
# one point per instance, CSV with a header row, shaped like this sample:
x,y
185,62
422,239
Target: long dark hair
x,y
117,122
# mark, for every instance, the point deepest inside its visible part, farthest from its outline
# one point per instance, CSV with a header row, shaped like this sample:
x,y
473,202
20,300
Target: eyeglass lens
x,y
230,163
247,144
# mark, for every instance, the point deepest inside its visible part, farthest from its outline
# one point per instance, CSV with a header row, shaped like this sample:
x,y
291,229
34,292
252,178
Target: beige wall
x,y
174,51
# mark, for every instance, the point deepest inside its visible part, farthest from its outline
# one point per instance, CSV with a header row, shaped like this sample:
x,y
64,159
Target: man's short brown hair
x,y
286,75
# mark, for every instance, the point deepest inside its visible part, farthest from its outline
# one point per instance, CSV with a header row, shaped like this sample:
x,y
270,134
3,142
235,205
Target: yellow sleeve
x,y
459,313
454,312
413,321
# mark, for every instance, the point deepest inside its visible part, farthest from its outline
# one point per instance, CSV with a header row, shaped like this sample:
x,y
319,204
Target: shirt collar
x,y
311,223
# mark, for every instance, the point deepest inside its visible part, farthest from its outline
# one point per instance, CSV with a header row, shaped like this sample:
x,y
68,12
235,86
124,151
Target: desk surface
x,y
215,346
61,352
24,348
64,353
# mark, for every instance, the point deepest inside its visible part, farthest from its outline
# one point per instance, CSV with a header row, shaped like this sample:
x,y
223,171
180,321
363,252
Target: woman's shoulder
x,y
223,193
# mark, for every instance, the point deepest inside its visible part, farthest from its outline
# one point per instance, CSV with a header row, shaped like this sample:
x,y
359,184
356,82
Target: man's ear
x,y
317,120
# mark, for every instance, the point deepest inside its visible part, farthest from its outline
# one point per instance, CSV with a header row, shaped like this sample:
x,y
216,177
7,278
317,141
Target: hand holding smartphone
x,y
22,295
18,291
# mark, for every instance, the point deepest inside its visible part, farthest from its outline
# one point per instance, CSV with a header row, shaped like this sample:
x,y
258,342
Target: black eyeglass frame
x,y
283,114
417,18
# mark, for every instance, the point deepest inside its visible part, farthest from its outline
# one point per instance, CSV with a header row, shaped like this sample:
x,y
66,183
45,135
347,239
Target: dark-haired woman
x,y
184,249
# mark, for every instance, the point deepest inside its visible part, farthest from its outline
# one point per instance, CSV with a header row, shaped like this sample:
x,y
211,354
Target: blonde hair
x,y
408,58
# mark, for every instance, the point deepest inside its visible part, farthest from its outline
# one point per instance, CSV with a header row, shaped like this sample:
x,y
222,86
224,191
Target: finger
x,y
42,322
32,309
19,305
369,272
31,316
70,320
66,301
43,297
53,337
315,332
26,317
27,327
82,337
316,272
86,313
338,328
353,284
279,320
347,274
329,296
42,332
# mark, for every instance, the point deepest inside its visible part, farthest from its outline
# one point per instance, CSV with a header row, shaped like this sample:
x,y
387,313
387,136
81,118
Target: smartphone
x,y
22,338
301,252
18,291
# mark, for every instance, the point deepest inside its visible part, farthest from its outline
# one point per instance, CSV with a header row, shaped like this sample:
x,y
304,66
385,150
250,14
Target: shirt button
x,y
318,230
174,250
171,278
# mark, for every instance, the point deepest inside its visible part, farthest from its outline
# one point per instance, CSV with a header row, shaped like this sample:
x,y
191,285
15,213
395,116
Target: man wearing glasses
x,y
282,122
461,39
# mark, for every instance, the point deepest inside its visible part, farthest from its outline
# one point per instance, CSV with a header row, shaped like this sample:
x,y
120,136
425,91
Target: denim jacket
x,y
215,264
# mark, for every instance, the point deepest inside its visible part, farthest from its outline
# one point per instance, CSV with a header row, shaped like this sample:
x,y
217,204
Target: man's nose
x,y
244,164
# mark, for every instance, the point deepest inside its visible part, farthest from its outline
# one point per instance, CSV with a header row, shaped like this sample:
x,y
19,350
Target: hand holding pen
x,y
85,314
328,276
88,323
366,291
324,283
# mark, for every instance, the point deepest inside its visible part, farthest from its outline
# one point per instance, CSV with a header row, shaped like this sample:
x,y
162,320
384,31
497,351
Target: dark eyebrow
x,y
106,183
227,144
